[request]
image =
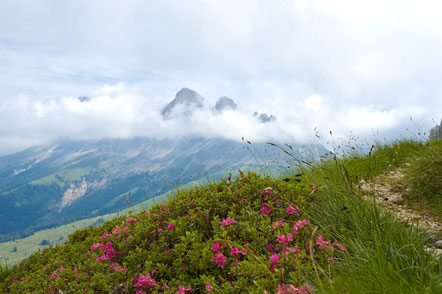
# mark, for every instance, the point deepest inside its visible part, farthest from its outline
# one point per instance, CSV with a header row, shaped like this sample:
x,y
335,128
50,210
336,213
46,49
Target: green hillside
x,y
13,252
309,231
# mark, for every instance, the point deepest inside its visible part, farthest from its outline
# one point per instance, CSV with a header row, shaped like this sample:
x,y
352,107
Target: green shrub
x,y
234,236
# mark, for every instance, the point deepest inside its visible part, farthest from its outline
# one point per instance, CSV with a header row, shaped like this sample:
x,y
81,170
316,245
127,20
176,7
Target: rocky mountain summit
x,y
84,99
186,101
436,132
264,117
225,103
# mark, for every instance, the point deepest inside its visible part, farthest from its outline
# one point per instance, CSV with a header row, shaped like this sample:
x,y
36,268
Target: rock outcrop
x,y
83,99
185,102
436,132
264,117
225,103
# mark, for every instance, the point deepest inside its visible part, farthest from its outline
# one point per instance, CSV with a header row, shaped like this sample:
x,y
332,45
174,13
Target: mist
x,y
346,66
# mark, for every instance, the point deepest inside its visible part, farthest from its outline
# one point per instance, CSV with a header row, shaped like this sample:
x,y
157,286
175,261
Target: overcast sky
x,y
347,66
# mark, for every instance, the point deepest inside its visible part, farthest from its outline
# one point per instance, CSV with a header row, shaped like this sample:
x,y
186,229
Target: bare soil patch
x,y
387,191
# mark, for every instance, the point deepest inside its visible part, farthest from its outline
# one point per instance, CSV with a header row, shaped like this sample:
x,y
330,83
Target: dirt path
x,y
385,190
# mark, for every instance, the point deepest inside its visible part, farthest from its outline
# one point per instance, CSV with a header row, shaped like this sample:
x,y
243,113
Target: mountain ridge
x,y
70,180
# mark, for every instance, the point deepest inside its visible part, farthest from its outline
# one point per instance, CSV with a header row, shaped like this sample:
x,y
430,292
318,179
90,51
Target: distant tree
x,y
44,242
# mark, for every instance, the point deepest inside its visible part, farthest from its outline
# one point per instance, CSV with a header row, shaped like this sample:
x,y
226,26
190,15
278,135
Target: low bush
x,y
244,235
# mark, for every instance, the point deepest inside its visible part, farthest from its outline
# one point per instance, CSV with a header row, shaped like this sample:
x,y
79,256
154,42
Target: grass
x,y
72,174
386,256
423,178
4,271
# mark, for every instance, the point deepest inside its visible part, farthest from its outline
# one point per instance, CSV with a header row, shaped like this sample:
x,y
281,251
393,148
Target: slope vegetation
x,y
313,231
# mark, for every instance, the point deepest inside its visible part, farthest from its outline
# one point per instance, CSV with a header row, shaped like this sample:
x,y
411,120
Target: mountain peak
x,y
225,103
264,117
83,99
186,99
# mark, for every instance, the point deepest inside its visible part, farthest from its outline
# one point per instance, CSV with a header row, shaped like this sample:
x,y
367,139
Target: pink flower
x,y
340,246
183,290
278,224
54,276
216,247
228,221
287,289
96,245
314,187
208,287
220,259
281,289
160,230
284,239
62,268
116,230
145,282
125,229
184,266
147,213
130,219
165,287
321,242
281,239
170,226
265,209
306,289
140,292
302,223
236,251
299,225
275,258
290,209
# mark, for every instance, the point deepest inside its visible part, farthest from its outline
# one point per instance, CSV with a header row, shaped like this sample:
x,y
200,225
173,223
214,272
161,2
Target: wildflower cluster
x,y
247,234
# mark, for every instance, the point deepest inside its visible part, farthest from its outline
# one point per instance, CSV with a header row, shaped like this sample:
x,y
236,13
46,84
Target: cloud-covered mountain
x,y
225,103
185,102
128,111
264,117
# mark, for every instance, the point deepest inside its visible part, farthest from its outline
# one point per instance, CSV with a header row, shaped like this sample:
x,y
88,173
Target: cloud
x,y
121,111
341,65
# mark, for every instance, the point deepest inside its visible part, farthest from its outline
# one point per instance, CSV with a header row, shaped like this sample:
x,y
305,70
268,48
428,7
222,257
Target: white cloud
x,y
341,65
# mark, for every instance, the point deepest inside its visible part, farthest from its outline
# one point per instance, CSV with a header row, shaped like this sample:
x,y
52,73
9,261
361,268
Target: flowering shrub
x,y
235,236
